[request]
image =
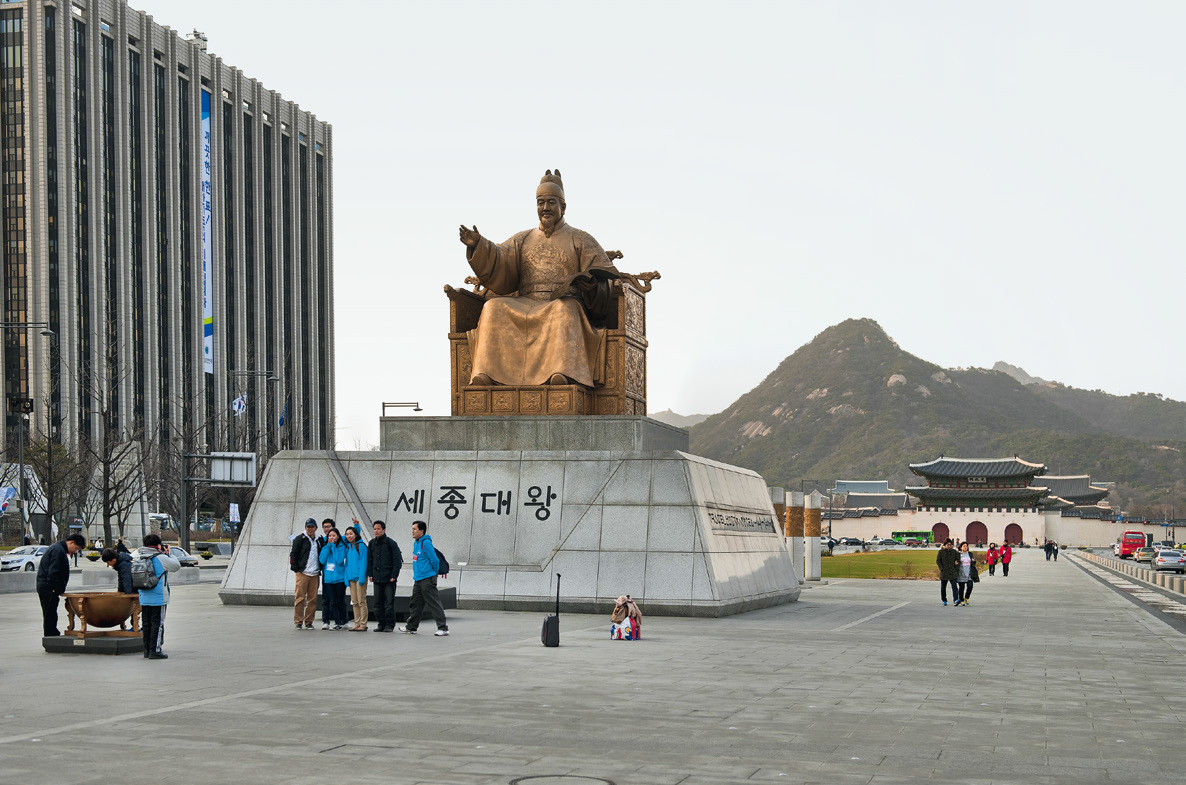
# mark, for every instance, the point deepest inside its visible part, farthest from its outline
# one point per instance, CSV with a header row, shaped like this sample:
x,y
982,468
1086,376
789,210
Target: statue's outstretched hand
x,y
470,236
614,255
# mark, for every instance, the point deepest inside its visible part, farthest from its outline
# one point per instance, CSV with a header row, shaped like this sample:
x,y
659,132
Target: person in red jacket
x,y
1006,555
992,557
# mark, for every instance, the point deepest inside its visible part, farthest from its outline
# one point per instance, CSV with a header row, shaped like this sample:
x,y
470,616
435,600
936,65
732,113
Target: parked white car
x,y
26,557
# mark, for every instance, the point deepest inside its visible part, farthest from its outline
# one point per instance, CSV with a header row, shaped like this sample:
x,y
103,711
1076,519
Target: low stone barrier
x,y
12,582
1174,583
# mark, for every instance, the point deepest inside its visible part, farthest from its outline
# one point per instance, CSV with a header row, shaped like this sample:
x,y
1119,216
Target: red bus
x,y
1130,543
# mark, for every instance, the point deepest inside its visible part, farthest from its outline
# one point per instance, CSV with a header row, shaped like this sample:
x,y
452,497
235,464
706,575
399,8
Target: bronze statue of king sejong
x,y
552,286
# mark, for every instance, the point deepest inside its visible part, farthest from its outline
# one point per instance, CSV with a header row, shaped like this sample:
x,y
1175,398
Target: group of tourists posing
x,y
958,568
344,562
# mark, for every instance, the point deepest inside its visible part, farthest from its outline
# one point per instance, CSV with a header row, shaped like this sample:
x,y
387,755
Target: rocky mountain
x,y
678,420
853,404
1017,373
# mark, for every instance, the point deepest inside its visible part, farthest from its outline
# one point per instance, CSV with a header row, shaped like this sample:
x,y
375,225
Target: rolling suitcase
x,y
550,636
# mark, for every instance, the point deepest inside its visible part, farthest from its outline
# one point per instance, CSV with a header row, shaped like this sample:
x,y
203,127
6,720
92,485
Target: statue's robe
x,y
536,327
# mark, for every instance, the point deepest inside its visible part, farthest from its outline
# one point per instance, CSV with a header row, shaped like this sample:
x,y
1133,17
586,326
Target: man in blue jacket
x,y
154,601
425,566
52,575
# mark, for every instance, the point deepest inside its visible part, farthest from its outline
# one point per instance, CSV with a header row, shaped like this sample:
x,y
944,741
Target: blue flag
x,y
284,414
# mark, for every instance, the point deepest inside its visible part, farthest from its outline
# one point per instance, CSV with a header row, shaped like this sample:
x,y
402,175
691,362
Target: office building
x,y
171,220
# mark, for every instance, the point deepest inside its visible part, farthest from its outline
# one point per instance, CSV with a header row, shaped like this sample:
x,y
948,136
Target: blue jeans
x,y
954,589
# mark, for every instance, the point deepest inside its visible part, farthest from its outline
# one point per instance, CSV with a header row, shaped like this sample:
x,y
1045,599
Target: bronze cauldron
x,y
101,609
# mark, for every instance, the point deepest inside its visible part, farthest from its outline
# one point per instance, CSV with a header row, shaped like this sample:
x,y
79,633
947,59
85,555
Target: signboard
x,y
232,468
207,242
234,513
731,521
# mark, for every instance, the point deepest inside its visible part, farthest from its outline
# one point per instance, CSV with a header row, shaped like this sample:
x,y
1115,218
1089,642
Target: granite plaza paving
x,y
1050,676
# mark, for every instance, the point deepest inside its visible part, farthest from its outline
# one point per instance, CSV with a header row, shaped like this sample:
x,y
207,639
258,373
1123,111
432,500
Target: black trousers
x,y
385,604
337,604
152,626
49,612
963,590
1005,568
954,589
424,595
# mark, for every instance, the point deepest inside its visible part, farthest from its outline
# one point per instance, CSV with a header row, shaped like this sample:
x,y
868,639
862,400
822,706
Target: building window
x,y
288,281
164,320
185,247
12,162
82,227
229,278
306,285
111,268
51,203
136,179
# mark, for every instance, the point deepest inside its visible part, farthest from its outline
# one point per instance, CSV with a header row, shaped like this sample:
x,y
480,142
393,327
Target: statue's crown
x,y
552,177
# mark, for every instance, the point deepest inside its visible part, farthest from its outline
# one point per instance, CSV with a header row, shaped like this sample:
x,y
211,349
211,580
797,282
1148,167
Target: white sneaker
x,y
441,633
402,628
325,626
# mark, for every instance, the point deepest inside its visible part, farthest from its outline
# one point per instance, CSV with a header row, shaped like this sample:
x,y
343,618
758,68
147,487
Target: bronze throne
x,y
624,386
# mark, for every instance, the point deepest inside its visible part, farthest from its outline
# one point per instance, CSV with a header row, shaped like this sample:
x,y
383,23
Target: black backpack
x,y
144,574
443,567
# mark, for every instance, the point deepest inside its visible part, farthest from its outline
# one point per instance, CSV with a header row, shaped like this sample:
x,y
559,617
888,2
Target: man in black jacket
x,y
948,560
52,576
303,561
383,563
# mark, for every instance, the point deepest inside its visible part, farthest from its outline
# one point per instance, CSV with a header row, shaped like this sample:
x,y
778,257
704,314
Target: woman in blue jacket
x,y
333,574
356,576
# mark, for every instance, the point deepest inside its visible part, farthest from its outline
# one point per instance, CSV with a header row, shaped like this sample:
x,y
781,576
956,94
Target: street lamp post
x,y
413,405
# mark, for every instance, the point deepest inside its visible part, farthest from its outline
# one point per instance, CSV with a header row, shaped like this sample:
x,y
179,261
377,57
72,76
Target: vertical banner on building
x,y
207,241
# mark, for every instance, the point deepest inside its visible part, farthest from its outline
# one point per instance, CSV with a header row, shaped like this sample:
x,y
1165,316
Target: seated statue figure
x,y
553,290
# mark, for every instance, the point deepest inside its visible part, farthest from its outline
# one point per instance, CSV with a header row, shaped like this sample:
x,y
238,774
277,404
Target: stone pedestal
x,y
606,501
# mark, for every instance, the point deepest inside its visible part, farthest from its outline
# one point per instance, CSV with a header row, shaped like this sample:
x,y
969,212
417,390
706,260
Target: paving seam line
x,y
870,617
297,685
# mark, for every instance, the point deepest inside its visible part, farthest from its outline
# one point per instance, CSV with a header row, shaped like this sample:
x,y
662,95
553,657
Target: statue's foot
x,y
483,380
559,378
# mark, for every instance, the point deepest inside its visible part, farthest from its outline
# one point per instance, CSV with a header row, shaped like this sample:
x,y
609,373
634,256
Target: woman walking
x,y
356,575
333,563
992,557
1006,554
967,575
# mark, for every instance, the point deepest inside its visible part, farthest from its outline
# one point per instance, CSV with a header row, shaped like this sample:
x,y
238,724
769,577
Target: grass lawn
x,y
918,563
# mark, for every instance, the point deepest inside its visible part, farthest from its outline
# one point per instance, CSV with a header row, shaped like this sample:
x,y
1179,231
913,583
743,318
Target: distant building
x,y
1076,489
171,220
983,501
959,483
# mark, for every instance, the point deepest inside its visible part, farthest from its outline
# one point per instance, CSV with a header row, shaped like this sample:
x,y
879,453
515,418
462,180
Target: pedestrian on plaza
x,y
154,601
384,561
121,546
425,566
122,564
1046,547
333,577
1006,554
52,576
992,558
303,561
968,575
948,561
356,576
322,540
1054,549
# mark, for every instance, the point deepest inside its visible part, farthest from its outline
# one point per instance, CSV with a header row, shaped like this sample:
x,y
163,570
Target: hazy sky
x,y
989,181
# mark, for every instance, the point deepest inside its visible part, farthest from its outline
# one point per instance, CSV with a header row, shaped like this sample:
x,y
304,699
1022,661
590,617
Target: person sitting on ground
x,y
626,620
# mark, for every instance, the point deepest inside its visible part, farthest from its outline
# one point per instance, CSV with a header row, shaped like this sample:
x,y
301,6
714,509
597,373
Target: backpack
x,y
143,574
443,567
